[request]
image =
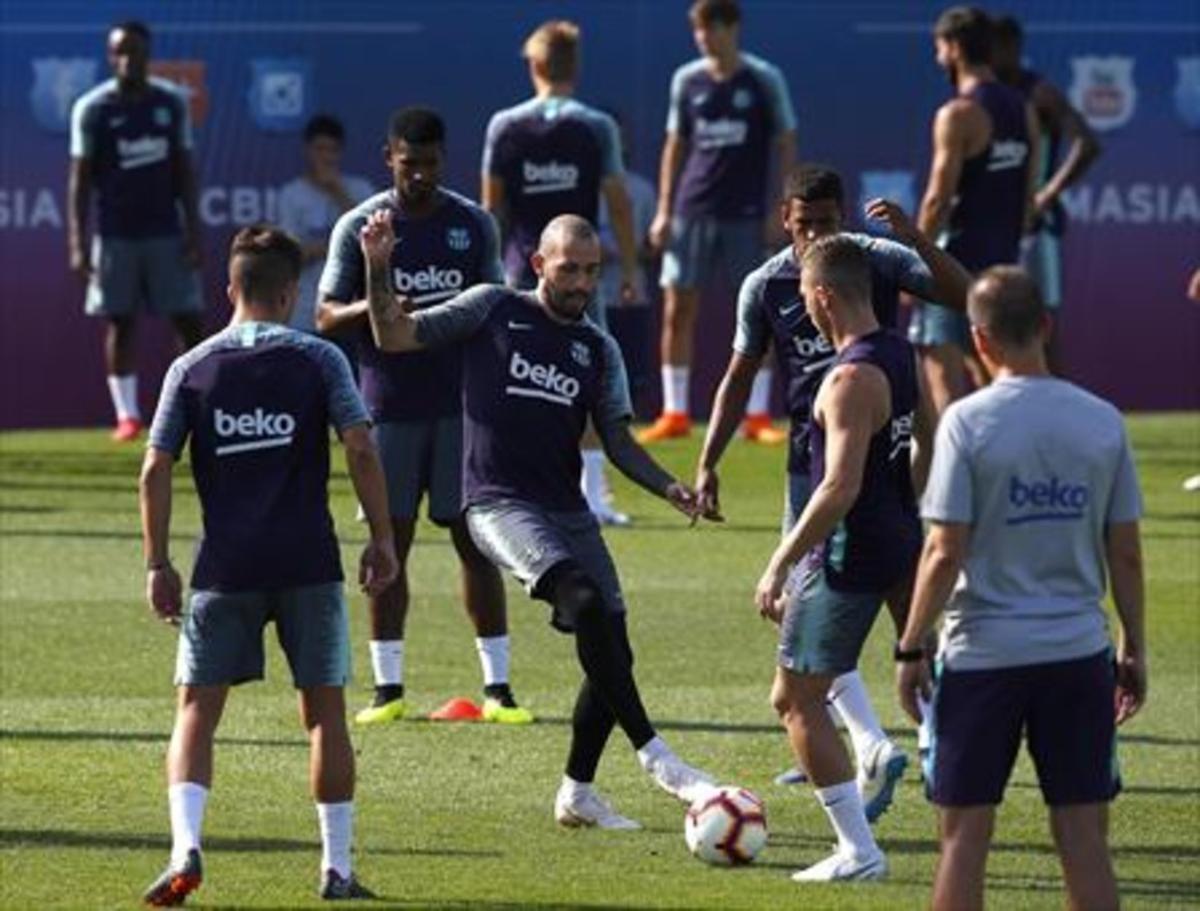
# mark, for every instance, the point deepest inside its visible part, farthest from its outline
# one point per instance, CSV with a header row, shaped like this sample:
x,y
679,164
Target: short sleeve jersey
x,y
130,145
435,258
770,309
529,383
551,154
1038,468
255,402
728,125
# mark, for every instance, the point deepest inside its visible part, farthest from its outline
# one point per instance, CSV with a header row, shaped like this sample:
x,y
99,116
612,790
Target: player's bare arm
x,y
852,405
674,150
334,316
924,426
1123,554
636,464
185,183
783,159
728,408
164,588
79,192
1061,118
620,211
377,565
941,561
391,325
491,197
952,130
950,279
1033,130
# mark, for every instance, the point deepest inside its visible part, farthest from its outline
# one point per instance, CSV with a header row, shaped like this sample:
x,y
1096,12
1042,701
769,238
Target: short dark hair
x,y
417,126
1004,302
134,27
970,28
1007,30
715,12
264,261
841,263
813,182
325,125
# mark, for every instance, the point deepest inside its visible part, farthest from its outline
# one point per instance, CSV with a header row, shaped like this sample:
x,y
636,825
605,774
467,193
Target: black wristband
x,y
152,565
908,656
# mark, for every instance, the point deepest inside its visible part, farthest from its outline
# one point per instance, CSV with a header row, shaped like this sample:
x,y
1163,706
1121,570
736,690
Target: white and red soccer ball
x,y
726,826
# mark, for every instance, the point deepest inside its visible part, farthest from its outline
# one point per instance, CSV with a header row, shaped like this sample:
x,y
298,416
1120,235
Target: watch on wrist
x,y
908,656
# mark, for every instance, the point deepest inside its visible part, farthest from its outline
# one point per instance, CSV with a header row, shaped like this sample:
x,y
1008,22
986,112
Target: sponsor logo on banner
x,y
1187,91
458,239
280,93
898,186
1133,204
1103,90
57,82
188,77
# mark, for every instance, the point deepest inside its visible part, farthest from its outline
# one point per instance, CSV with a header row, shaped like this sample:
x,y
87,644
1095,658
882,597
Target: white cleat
x,y
839,867
606,515
877,778
679,779
588,809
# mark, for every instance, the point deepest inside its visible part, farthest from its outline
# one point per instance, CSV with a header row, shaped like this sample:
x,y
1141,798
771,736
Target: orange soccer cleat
x,y
756,428
127,430
670,425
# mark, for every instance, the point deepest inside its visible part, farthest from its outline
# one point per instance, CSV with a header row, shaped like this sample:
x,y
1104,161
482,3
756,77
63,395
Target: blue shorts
x,y
933,324
422,457
130,274
1065,710
1041,257
823,630
528,542
698,245
221,639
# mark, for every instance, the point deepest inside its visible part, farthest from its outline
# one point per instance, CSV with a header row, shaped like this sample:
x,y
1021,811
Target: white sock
x,y
848,694
760,394
186,802
844,808
337,834
675,388
387,661
123,390
574,789
493,658
655,748
592,481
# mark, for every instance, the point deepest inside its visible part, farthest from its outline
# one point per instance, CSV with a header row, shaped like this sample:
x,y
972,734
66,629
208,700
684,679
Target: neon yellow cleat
x,y
494,710
382,714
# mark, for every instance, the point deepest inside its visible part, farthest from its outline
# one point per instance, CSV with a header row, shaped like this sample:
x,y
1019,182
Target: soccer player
x,y
729,114
980,191
131,143
256,402
1058,121
447,245
553,155
310,205
536,369
1032,498
857,539
770,309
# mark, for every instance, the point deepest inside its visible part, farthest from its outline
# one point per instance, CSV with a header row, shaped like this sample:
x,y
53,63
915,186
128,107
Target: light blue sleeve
x,y
491,267
495,128
611,164
169,430
613,405
949,493
83,142
752,334
458,318
346,408
677,114
1125,499
343,277
779,100
904,265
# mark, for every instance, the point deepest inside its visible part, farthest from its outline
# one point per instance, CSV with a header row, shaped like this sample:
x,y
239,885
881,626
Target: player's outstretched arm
x,y
728,407
164,589
949,279
391,325
636,464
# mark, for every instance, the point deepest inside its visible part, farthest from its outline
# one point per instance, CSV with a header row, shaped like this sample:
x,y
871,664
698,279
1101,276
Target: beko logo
x,y
550,383
257,429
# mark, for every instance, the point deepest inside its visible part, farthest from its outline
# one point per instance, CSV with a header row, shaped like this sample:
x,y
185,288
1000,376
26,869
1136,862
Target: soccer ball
x,y
726,827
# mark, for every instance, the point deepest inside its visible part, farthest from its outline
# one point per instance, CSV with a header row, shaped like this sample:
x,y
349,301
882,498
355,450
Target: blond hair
x,y
553,48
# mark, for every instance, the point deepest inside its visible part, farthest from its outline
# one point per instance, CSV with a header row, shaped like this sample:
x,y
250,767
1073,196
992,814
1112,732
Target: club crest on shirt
x,y
458,239
742,99
57,82
581,354
1187,91
162,117
1103,90
280,91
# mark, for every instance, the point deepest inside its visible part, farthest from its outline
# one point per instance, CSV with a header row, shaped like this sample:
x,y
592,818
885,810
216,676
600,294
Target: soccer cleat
x,y
335,887
877,778
756,428
175,884
1192,484
670,425
382,712
839,867
504,710
678,778
606,515
127,430
793,775
587,809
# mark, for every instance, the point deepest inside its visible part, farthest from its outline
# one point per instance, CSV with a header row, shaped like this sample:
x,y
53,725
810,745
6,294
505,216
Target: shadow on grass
x,y
1127,886
141,737
466,904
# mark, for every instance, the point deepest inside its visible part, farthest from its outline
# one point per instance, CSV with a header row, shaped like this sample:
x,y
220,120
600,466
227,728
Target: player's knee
x,y
577,600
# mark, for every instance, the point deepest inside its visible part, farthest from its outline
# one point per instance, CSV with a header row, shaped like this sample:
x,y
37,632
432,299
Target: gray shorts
x,y
221,639
823,630
422,457
933,324
130,274
1041,257
698,245
528,542
795,498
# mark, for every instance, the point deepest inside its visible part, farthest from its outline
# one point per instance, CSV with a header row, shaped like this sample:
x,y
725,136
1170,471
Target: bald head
x,y
564,231
1005,303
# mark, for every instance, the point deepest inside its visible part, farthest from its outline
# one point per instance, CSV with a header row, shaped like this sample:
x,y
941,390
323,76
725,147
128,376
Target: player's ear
x,y
538,262
231,293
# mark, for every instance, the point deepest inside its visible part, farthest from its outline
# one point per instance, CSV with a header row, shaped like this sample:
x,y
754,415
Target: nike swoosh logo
x,y
512,325
787,311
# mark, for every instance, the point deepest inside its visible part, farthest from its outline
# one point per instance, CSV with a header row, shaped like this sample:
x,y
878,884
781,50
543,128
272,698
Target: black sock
x,y
388,692
502,693
591,724
607,660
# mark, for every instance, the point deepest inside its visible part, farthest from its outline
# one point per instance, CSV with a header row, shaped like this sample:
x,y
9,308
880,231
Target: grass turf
x,y
460,816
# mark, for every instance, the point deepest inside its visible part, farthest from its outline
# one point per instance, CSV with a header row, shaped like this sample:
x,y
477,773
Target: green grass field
x,y
460,816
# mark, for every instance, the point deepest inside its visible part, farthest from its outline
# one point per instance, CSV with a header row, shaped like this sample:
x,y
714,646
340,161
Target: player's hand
x,y
660,232
164,593
377,567
81,264
684,499
629,289
770,596
895,218
708,492
914,684
377,238
1131,684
